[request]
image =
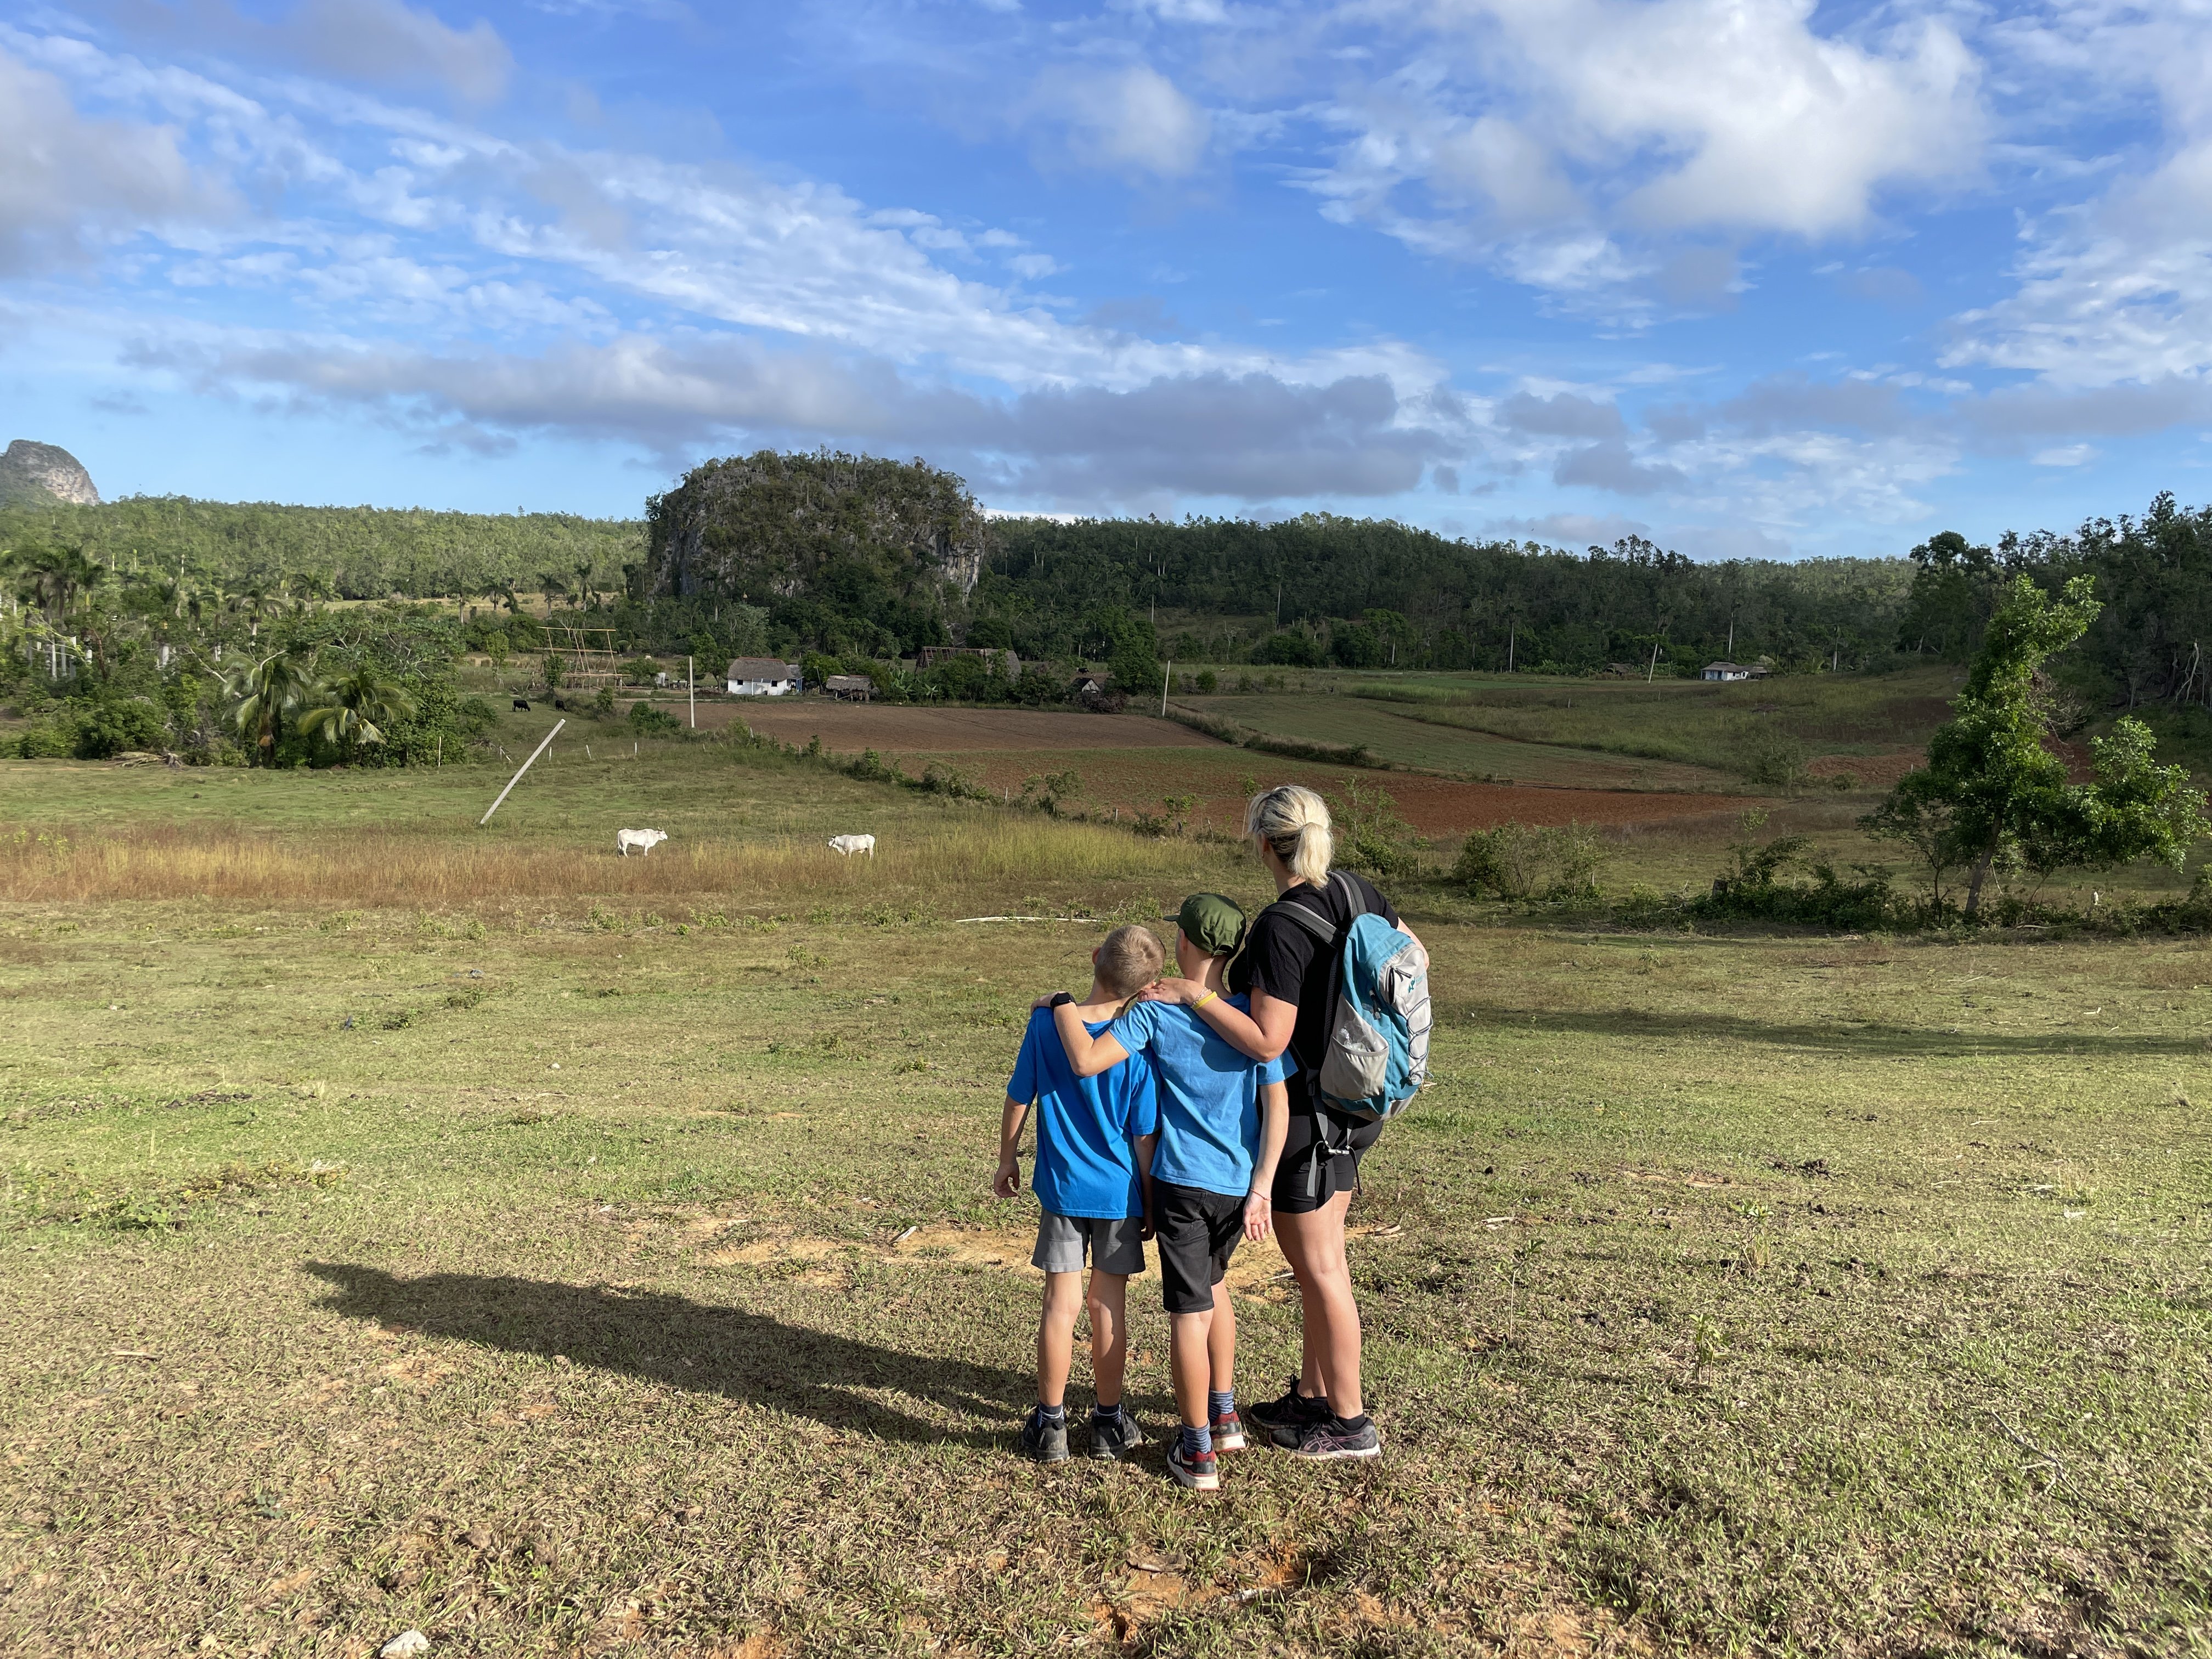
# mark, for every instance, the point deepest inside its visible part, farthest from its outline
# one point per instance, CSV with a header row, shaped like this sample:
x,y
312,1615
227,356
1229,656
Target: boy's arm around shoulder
x,y
1087,1055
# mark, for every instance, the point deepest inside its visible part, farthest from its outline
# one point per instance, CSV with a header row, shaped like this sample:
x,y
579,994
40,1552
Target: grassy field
x,y
412,1227
1415,735
1685,721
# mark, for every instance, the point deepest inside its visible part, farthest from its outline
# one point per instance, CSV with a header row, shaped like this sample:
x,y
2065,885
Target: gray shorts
x,y
1116,1244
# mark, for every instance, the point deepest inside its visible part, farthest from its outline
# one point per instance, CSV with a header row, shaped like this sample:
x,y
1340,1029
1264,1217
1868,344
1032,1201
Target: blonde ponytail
x,y
1294,821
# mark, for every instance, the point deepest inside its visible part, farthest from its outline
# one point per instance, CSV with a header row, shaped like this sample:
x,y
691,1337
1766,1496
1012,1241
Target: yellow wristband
x,y
1203,1000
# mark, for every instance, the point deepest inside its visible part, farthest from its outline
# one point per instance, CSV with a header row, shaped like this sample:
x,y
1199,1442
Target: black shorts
x,y
1329,1171
1197,1232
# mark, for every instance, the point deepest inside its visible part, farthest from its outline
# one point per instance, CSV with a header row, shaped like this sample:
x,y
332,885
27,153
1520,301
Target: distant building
x,y
849,688
1729,670
762,676
1087,685
1004,662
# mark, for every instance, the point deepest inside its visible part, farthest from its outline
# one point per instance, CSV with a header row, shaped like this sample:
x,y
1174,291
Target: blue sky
x,y
1752,278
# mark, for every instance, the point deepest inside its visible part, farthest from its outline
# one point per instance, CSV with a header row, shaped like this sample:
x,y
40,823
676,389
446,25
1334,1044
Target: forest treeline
x,y
856,559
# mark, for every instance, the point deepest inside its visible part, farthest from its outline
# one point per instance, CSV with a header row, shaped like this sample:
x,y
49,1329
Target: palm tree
x,y
583,580
264,693
347,708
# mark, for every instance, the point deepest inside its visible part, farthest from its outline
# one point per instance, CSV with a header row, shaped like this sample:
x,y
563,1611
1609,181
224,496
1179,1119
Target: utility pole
x,y
1166,675
691,691
1654,668
1731,644
1512,638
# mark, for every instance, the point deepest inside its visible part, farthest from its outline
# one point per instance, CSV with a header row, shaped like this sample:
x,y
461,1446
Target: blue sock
x,y
1106,1413
1195,1441
1220,1403
1052,1413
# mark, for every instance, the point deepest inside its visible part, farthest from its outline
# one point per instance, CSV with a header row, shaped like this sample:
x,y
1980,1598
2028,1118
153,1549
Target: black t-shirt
x,y
1291,965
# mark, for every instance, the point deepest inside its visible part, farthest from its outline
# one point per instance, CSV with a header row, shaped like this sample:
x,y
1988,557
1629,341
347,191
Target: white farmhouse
x,y
762,676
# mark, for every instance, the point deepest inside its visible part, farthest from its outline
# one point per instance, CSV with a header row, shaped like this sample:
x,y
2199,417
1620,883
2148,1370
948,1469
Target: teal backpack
x,y
1377,1055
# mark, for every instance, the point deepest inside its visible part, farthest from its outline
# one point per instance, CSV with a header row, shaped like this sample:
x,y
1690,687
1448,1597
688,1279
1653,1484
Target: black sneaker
x,y
1329,1439
1113,1438
1293,1411
1200,1473
1045,1441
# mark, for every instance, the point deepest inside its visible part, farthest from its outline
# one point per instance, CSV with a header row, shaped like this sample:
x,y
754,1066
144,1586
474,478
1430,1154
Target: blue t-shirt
x,y
1209,1095
1086,1165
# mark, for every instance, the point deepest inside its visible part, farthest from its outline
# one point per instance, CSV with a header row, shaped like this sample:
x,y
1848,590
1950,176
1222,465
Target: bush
x,y
47,743
603,705
1521,862
939,779
872,767
1371,836
650,722
1768,755
115,728
1208,681
1290,648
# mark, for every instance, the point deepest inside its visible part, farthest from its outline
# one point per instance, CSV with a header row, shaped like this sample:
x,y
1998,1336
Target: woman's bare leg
x,y
1313,1244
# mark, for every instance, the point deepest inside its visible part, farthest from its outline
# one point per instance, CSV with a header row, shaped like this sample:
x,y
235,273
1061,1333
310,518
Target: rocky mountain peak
x,y
34,474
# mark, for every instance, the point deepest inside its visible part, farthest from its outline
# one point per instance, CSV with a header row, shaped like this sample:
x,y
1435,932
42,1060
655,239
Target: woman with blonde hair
x,y
1289,975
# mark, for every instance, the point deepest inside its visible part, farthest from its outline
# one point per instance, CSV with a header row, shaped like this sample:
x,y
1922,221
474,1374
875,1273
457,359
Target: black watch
x,y
1061,999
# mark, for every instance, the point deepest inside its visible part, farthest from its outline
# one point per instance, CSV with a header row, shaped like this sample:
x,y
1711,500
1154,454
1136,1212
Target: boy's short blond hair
x,y
1130,959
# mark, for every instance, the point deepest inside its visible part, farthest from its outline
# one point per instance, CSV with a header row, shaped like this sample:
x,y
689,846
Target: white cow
x,y
850,845
644,840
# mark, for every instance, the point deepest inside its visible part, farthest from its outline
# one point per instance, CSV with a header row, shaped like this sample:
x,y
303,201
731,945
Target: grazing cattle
x,y
523,703
850,845
560,703
644,840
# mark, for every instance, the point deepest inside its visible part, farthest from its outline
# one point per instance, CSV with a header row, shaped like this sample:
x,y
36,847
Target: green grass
x,y
534,1268
1416,735
1686,721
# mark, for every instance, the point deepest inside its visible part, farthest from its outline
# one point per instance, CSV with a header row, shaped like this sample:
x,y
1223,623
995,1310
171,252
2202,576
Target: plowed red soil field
x,y
1130,762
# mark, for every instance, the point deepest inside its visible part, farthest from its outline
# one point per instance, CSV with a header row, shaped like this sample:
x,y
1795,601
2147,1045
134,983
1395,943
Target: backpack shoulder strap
x,y
1320,927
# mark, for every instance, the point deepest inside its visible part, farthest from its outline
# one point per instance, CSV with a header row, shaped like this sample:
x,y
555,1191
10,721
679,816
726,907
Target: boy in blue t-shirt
x,y
1211,1174
1094,1150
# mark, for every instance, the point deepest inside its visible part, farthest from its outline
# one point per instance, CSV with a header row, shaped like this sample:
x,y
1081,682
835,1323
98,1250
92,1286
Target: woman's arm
x,y
1262,1034
1087,1055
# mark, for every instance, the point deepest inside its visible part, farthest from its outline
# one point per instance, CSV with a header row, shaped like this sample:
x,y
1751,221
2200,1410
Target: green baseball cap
x,y
1212,922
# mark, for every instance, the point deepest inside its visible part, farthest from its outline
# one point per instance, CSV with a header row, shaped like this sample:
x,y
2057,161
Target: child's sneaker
x,y
1043,1439
1114,1437
1282,1419
1228,1433
1333,1437
1197,1470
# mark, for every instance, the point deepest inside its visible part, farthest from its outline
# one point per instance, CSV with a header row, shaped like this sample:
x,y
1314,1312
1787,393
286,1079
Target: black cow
x,y
522,704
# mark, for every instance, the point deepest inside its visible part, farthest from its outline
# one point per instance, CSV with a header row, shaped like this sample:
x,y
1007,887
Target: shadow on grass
x,y
682,1344
1873,1039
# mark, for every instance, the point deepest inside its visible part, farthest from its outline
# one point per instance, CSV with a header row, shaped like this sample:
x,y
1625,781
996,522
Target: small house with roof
x,y
762,676
850,688
1726,670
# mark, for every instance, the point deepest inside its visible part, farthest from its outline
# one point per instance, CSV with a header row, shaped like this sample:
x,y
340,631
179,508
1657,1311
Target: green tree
x,y
352,709
1993,796
264,693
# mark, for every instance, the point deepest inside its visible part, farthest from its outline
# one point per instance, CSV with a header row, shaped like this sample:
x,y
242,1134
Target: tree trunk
x,y
1974,883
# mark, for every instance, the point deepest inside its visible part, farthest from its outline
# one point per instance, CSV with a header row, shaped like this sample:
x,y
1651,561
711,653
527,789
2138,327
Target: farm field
x,y
1686,721
1414,738
406,1227
1130,763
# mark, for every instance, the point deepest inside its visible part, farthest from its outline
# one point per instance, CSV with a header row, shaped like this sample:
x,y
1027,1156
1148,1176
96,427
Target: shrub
x,y
1521,862
1768,755
47,743
939,779
1208,681
603,705
1371,836
872,767
1290,648
115,728
650,722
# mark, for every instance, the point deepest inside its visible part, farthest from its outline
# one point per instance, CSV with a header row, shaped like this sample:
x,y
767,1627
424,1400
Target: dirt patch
x,y
1873,771
852,727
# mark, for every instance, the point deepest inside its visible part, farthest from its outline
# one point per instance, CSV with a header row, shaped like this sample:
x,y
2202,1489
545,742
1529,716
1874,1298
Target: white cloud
x,y
1537,134
69,184
1130,120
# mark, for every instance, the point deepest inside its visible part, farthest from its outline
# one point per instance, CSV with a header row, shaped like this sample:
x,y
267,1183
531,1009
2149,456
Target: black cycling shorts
x,y
1310,1174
